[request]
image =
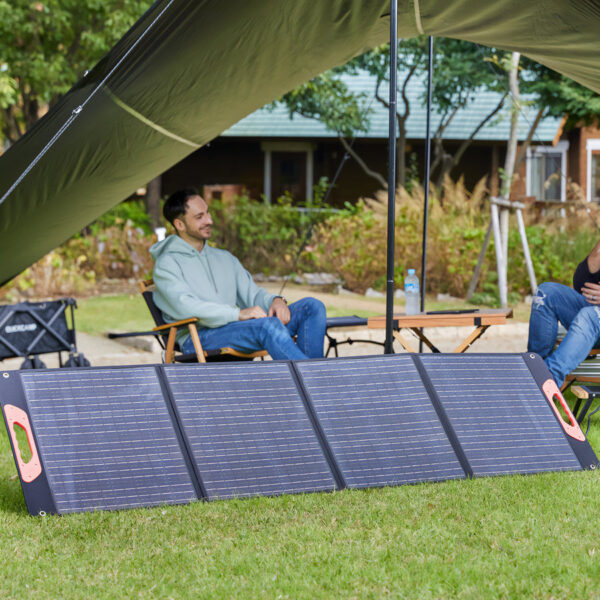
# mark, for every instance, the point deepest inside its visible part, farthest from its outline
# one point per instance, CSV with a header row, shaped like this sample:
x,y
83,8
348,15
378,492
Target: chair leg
x,y
170,350
197,344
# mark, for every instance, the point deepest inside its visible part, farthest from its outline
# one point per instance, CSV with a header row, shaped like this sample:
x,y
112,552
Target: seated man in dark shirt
x,y
577,308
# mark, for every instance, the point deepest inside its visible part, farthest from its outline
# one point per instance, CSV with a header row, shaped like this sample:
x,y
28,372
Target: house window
x,y
593,170
288,175
546,172
288,169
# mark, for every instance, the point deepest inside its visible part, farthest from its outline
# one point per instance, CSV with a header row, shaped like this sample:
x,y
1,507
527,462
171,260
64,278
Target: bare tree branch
x,y
466,143
362,163
411,72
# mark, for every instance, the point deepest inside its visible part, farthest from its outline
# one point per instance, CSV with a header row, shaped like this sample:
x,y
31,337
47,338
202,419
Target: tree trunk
x,y
153,195
511,150
401,152
509,170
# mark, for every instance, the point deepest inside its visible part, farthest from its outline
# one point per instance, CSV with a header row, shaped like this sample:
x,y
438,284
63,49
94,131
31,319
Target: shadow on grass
x,y
11,497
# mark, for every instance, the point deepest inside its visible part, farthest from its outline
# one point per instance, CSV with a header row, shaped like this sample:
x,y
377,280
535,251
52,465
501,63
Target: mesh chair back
x,y
154,310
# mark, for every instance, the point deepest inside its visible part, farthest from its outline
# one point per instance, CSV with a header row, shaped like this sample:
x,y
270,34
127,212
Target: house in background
x,y
268,153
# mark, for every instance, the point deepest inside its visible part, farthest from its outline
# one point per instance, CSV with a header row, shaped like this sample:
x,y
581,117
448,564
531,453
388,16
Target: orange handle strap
x,y
551,390
15,416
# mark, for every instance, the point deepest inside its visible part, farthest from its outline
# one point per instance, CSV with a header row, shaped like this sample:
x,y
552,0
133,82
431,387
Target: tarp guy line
x,y
78,110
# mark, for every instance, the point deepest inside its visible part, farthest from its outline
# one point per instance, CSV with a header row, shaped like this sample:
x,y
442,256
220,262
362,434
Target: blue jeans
x,y
308,322
553,303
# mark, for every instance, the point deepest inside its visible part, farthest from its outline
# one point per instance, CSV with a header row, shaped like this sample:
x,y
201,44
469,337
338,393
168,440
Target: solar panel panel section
x,y
248,430
501,417
379,421
106,439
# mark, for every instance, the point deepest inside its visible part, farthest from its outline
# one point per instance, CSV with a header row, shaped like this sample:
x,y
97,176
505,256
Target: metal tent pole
x,y
389,307
427,177
427,171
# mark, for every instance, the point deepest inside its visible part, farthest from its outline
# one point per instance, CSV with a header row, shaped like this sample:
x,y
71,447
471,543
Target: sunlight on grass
x,y
101,314
500,537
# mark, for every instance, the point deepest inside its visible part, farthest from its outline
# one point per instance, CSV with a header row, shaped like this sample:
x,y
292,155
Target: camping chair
x,y
166,333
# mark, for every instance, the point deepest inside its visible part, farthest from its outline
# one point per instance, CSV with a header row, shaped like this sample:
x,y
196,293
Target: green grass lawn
x,y
100,314
504,537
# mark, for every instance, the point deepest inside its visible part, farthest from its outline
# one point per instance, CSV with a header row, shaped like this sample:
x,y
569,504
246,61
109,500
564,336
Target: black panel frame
x,y
321,437
179,433
582,449
38,494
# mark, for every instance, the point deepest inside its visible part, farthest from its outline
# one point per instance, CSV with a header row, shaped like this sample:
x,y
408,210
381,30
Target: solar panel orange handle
x,y
551,390
15,416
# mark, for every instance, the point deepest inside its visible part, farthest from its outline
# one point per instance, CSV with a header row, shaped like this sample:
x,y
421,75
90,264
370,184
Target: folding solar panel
x,y
500,407
104,437
248,430
110,438
379,421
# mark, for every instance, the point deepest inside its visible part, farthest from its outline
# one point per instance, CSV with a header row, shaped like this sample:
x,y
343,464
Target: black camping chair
x,y
166,332
28,329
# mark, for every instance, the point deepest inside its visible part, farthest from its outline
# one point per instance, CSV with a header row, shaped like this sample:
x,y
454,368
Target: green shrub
x,y
353,243
267,238
132,212
79,265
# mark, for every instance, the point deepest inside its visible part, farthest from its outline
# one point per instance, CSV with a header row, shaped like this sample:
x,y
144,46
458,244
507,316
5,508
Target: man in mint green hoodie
x,y
194,279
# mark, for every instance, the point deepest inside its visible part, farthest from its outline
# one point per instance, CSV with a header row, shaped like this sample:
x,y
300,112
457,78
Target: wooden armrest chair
x,y
168,333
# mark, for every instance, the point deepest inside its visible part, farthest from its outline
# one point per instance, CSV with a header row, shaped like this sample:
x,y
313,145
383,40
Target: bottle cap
x,y
411,271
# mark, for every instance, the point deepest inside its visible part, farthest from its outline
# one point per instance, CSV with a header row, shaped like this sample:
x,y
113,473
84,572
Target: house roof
x,y
276,122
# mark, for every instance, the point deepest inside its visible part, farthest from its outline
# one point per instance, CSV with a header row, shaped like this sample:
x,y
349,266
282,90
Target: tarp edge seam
x,y
148,122
418,18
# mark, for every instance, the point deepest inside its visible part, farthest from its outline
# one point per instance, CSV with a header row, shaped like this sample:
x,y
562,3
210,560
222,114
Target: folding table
x,y
481,320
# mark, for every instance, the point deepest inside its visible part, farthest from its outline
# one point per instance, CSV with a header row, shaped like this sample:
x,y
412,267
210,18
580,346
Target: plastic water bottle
x,y
411,291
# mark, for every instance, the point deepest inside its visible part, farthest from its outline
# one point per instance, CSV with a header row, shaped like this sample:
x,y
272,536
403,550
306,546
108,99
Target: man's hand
x,y
280,310
591,292
254,312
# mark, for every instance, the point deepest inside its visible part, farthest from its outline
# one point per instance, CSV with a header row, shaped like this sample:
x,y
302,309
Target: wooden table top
x,y
491,316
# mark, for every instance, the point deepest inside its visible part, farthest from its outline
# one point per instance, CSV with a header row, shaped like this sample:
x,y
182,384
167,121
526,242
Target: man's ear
x,y
179,225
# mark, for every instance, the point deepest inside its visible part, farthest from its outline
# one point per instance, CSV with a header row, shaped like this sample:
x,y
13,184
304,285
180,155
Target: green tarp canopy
x,y
189,69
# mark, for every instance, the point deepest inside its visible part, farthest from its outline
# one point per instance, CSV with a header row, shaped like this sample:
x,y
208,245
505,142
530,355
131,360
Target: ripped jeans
x,y
555,302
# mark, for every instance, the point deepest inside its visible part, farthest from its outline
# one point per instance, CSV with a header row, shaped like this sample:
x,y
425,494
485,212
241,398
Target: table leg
x,y
473,336
417,331
403,342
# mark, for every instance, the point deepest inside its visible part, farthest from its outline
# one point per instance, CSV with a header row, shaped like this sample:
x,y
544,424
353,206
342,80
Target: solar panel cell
x,y
502,419
106,439
379,421
248,430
